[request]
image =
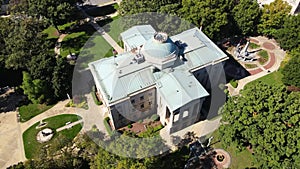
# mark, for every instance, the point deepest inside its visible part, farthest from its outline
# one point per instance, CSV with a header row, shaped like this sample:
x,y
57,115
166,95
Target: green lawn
x,y
33,147
29,111
273,78
72,43
264,57
253,45
96,48
239,160
250,66
51,32
114,28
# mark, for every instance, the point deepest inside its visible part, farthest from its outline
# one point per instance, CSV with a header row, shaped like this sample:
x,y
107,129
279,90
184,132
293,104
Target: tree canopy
x,y
289,35
273,16
246,15
267,118
291,71
54,11
212,16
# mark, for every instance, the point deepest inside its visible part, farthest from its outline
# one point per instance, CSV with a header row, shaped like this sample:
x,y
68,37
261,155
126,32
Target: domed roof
x,y
160,46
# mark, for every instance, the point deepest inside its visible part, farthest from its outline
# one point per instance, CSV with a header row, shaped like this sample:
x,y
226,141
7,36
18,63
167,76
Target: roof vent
x,y
139,58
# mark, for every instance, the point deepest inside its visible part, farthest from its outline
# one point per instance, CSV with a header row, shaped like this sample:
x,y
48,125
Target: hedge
x,y
107,126
97,102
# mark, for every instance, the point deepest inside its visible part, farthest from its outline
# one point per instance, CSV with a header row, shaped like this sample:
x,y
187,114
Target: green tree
x,y
289,35
266,117
273,16
291,71
62,78
36,90
23,41
212,16
246,15
55,12
140,6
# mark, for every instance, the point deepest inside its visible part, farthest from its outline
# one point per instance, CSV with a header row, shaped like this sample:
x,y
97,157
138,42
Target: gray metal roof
x,y
137,35
118,77
179,88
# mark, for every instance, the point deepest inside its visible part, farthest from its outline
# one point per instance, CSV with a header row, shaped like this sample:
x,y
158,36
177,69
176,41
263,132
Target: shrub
x,y
95,98
154,117
233,83
129,125
107,126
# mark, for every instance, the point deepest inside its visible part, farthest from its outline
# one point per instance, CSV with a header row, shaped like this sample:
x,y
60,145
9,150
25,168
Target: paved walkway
x,y
276,56
102,32
69,125
200,129
11,142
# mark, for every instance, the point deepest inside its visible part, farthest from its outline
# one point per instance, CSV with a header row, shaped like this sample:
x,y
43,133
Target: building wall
x,y
186,115
135,108
211,76
212,79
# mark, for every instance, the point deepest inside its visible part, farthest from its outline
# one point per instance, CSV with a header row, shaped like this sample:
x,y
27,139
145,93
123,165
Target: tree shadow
x,y
94,10
11,100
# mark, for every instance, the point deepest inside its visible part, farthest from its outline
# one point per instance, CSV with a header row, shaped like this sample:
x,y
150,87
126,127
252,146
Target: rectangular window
x,y
142,98
132,101
142,106
176,117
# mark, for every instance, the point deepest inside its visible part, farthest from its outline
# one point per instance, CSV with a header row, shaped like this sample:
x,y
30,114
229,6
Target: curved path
x,y
11,142
276,56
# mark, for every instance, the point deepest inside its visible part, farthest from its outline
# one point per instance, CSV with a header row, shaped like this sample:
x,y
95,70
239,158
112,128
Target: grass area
x,y
264,57
33,147
29,111
250,66
66,26
239,160
107,126
95,49
254,45
60,120
273,78
151,131
51,32
73,43
71,133
114,28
